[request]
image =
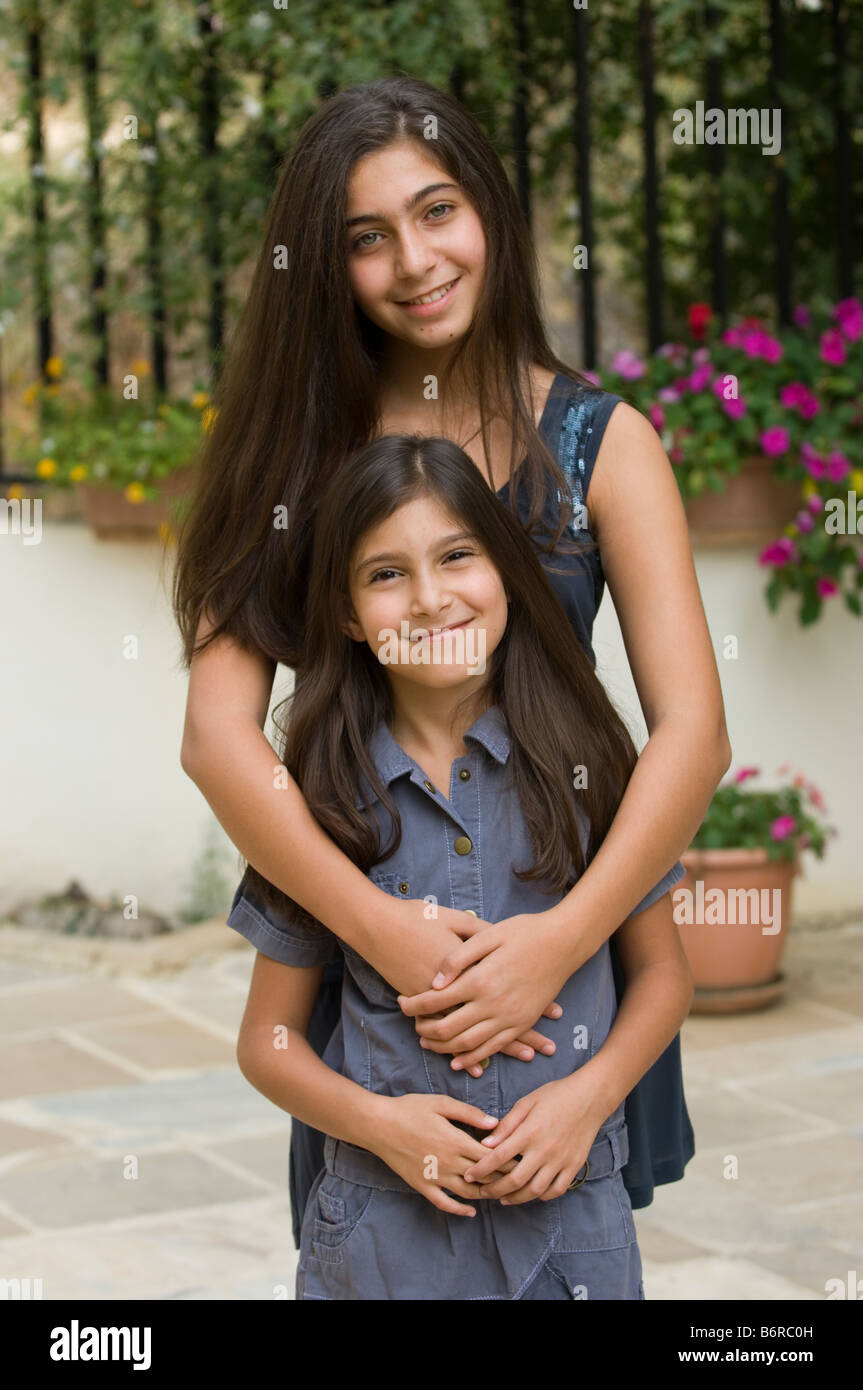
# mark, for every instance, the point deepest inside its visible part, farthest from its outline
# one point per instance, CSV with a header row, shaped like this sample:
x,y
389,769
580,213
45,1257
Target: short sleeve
x,y
282,938
674,875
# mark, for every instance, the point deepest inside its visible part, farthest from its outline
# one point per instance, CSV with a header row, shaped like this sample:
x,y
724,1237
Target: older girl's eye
x,y
360,244
445,206
377,573
458,553
357,245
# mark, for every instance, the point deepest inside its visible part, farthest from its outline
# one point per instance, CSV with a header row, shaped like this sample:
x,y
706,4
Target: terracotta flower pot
x,y
734,918
113,517
753,510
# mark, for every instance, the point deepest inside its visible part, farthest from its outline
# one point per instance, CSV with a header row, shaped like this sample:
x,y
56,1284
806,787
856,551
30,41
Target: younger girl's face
x,y
416,575
411,231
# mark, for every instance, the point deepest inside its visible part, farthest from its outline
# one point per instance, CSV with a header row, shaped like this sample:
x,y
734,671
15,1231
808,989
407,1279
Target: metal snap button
x,y
465,774
471,911
404,887
428,785
462,845
484,1062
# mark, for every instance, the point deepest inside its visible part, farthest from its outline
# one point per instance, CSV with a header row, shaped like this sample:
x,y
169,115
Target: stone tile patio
x,y
137,1162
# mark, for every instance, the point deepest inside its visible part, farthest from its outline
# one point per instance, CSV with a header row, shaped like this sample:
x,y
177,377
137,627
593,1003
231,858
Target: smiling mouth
x,y
433,295
438,631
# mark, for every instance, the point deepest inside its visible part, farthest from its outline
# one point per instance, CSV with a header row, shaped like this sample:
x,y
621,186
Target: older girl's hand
x,y
509,972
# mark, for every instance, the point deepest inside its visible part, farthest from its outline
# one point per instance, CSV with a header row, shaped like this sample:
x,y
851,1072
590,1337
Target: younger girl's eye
x,y
458,553
378,573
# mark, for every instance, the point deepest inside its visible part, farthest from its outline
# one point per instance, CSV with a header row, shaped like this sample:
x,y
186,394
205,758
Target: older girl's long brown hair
x,y
558,713
300,388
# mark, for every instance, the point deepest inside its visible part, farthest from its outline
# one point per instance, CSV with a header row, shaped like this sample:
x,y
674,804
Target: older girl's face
x,y
412,231
416,575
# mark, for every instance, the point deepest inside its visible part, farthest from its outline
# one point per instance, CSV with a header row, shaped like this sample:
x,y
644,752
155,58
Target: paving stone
x,y
49,1065
833,1091
79,1191
161,1042
725,1117
209,1105
708,1279
14,1137
732,1217
660,1246
771,1057
77,1002
265,1155
812,1263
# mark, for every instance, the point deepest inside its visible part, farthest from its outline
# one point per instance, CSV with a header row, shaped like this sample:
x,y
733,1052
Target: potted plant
x,y
733,907
128,461
763,430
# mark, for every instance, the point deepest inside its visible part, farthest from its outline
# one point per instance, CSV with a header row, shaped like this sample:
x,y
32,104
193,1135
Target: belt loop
x,y
329,1151
619,1146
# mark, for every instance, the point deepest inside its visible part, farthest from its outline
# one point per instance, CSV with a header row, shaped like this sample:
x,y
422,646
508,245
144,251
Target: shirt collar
x,y
390,760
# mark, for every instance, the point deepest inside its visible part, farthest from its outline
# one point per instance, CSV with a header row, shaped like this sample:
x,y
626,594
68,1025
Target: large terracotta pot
x,y
753,510
735,964
112,517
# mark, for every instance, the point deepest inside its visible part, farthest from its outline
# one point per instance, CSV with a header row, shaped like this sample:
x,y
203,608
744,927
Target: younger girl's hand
x,y
509,972
553,1129
415,1137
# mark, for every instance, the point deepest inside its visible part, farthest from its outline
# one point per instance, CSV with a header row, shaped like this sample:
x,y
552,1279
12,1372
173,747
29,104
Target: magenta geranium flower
x,y
833,347
735,409
837,466
657,416
804,521
848,313
801,316
668,395
746,772
778,553
782,827
775,440
816,504
797,396
700,377
628,365
826,587
733,336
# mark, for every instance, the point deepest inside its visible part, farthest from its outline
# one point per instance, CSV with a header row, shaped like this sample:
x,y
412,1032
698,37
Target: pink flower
x,y
746,772
801,316
628,365
735,409
826,587
657,416
591,376
816,504
701,355
771,349
833,347
680,384
804,521
779,553
668,394
848,313
733,336
797,396
700,377
676,455
775,440
804,842
782,827
837,466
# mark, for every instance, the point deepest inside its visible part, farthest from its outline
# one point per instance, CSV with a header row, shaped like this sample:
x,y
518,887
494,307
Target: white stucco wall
x,y
91,778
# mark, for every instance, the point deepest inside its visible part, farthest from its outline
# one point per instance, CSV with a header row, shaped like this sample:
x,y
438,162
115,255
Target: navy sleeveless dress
x,y
661,1140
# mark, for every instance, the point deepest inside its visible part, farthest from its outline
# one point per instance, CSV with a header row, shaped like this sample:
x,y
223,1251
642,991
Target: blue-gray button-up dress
x,y
367,1234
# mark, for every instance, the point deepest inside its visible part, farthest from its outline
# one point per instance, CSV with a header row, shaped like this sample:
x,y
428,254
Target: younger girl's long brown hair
x,y
557,711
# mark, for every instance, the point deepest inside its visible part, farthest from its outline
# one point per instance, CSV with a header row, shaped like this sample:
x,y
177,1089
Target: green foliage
x,y
784,821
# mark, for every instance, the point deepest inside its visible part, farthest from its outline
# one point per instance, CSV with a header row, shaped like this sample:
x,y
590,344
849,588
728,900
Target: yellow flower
x,y
808,489
77,472
46,468
791,529
29,396
200,398
207,417
15,492
141,366
855,478
52,389
134,492
54,367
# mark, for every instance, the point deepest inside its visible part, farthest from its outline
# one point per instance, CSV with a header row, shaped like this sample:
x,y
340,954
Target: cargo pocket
x,y
340,1206
596,1216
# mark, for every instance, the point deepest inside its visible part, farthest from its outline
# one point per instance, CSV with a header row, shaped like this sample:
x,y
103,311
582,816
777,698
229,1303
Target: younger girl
x,y
450,734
